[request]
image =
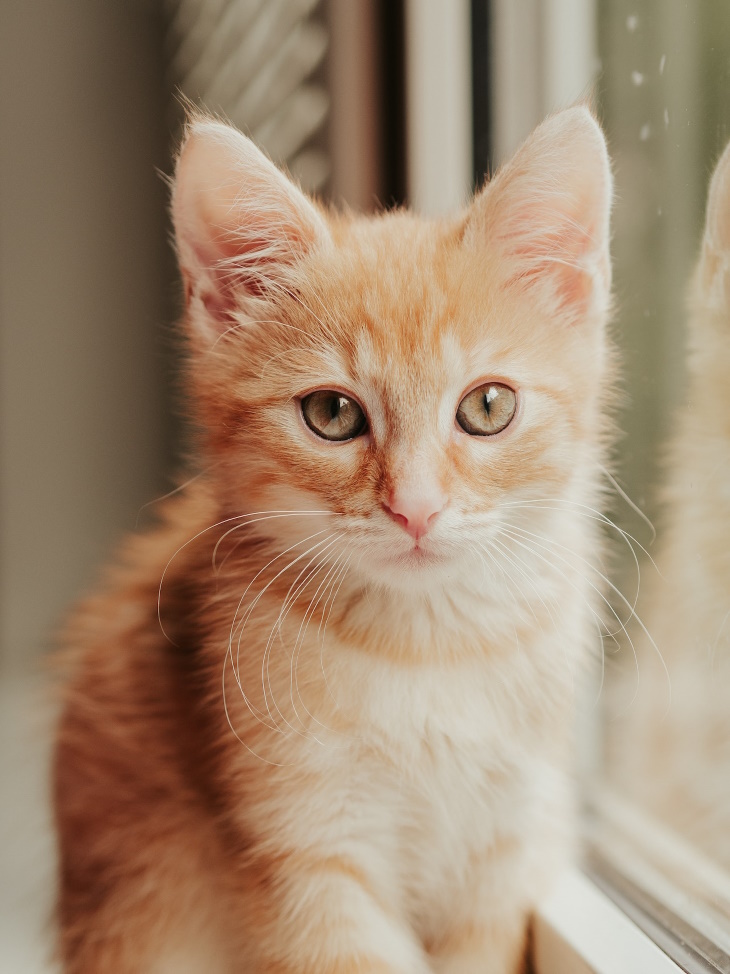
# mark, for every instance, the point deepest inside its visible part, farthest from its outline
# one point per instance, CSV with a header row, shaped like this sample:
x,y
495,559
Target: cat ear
x,y
717,220
715,259
548,212
240,224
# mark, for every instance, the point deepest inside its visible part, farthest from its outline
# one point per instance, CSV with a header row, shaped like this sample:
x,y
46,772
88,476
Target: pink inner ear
x,y
246,258
555,254
240,223
236,265
547,212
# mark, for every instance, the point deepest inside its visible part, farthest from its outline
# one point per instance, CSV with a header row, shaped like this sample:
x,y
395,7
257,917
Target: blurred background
x,y
369,103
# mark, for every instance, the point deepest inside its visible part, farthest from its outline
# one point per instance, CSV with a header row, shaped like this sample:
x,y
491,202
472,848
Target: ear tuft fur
x,y
548,212
239,222
713,273
717,218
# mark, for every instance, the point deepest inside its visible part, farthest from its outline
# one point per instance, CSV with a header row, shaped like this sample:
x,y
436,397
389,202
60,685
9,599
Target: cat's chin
x,y
413,569
417,559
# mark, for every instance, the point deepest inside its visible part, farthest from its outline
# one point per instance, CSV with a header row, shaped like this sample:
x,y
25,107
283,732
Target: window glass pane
x,y
665,99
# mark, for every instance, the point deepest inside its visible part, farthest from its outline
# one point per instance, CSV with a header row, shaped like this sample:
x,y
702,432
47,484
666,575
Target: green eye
x,y
487,410
332,415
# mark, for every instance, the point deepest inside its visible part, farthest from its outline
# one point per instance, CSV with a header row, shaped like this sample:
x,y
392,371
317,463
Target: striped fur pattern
x,y
296,738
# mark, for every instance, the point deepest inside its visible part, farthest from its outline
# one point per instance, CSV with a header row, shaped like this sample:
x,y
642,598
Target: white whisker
x,y
324,631
622,598
234,625
604,578
583,510
329,578
257,517
292,600
625,497
176,490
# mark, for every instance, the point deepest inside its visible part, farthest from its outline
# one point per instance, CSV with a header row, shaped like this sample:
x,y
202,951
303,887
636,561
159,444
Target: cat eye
x,y
332,415
487,410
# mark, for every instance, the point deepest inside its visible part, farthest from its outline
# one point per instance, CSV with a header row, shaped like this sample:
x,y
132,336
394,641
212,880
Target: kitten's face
x,y
412,381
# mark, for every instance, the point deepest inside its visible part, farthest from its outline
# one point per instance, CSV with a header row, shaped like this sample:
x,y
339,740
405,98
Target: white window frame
x,y
438,104
579,930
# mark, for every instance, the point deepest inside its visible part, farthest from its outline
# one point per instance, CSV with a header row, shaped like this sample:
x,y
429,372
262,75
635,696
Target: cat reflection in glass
x,y
673,754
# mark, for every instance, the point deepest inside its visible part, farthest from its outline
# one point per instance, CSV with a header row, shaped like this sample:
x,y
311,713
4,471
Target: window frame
x,y
579,929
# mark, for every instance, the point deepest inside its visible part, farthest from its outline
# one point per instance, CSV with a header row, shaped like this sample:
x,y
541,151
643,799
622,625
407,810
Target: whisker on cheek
x,y
235,663
291,600
596,618
318,547
523,572
550,546
257,518
322,591
581,510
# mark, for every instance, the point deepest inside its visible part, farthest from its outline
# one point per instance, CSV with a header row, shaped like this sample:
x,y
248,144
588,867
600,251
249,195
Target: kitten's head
x,y
413,380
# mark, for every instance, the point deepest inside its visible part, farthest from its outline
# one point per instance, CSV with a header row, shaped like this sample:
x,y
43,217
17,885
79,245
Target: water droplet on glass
x,y
645,132
666,118
632,22
637,77
662,63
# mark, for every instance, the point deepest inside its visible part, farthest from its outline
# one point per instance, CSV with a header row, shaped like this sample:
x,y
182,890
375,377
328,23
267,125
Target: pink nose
x,y
415,512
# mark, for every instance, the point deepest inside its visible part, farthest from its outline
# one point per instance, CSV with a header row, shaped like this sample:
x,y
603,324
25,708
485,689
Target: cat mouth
x,y
417,557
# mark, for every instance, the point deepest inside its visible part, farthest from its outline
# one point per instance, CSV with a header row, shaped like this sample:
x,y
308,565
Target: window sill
x,y
579,930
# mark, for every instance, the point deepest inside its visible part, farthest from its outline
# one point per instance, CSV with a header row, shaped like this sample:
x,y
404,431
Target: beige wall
x,y
85,287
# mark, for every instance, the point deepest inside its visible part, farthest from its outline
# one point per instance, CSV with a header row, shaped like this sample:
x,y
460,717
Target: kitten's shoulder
x,y
126,604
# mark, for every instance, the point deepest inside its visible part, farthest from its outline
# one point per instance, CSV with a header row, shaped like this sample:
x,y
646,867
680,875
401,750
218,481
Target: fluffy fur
x,y
295,738
674,752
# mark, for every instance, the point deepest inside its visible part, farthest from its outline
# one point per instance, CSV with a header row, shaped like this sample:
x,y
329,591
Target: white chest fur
x,y
442,764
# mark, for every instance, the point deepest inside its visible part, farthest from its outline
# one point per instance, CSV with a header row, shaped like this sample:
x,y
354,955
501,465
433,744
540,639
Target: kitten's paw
x,y
486,955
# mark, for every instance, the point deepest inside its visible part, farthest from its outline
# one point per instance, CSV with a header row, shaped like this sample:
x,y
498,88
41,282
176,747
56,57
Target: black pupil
x,y
337,403
487,406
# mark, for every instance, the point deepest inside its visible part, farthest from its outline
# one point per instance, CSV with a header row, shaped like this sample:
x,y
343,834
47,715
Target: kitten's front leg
x,y
494,946
488,928
322,916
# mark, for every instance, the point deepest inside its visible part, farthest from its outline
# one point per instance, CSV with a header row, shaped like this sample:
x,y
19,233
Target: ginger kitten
x,y
319,718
